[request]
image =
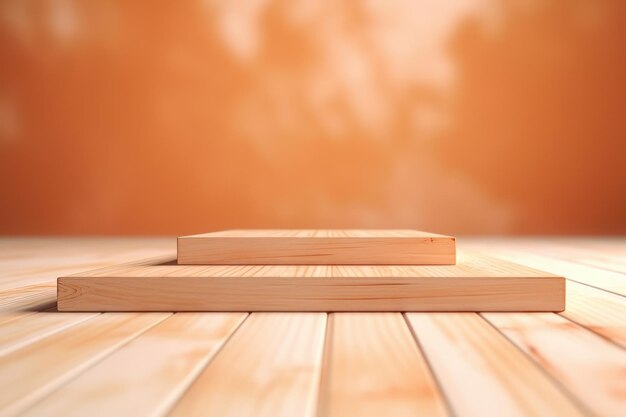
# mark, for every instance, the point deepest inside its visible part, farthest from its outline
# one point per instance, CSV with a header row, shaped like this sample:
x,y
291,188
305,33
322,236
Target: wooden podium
x,y
314,270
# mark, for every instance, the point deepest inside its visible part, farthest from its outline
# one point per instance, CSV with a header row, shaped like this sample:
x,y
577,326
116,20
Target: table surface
x,y
312,364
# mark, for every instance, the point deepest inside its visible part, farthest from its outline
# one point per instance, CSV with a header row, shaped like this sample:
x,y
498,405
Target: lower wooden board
x,y
475,283
317,247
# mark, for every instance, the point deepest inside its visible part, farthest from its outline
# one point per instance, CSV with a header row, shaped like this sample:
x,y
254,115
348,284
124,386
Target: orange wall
x,y
461,117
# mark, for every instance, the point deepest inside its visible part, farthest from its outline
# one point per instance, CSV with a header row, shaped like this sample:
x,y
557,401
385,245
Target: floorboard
x,y
146,376
270,367
374,367
561,348
482,373
31,372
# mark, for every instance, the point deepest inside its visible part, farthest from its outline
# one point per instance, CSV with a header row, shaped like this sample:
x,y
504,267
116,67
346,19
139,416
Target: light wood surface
x,y
47,363
556,342
305,364
600,310
475,283
483,374
158,379
581,273
317,247
374,368
271,367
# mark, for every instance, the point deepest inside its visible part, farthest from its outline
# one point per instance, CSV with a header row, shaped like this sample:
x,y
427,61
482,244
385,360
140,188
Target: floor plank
x,y
581,254
571,250
270,367
28,374
34,261
605,245
482,373
28,298
146,376
18,303
599,278
33,327
599,311
373,367
607,264
562,349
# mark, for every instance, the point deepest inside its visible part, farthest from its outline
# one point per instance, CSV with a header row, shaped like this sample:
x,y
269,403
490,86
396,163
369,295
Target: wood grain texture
x,y
23,301
561,347
589,252
599,278
30,328
482,373
373,367
580,254
599,311
44,365
270,367
146,376
479,370
60,257
475,283
28,298
317,247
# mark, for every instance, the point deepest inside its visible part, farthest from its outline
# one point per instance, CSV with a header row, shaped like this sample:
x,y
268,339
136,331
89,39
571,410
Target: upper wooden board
x,y
476,283
317,247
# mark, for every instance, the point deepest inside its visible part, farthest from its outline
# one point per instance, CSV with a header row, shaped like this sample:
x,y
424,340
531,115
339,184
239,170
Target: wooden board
x,y
556,343
476,283
482,373
317,247
599,311
594,277
374,367
146,376
46,364
279,377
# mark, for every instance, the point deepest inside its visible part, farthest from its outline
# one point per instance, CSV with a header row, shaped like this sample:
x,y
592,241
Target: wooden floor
x,y
312,364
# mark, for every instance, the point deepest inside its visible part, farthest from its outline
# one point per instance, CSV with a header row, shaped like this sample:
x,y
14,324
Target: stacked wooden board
x,y
314,270
317,247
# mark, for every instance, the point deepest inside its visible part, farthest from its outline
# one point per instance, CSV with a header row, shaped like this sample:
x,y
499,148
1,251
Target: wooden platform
x,y
476,283
312,364
317,247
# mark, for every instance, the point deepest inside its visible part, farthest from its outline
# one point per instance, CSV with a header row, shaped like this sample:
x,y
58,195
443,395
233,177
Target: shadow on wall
x,y
468,117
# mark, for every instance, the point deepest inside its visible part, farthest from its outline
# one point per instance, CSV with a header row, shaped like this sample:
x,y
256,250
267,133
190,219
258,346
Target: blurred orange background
x,y
459,117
